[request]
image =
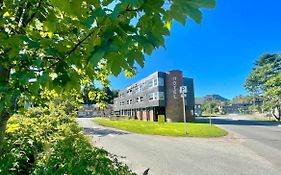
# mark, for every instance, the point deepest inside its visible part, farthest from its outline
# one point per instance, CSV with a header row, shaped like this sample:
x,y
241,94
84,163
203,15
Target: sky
x,y
220,52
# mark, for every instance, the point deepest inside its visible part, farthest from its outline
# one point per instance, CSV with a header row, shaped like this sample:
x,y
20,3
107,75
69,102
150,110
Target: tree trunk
x,y
279,114
4,117
276,116
254,103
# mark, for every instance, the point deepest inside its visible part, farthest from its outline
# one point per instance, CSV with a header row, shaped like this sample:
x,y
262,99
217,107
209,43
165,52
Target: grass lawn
x,y
167,129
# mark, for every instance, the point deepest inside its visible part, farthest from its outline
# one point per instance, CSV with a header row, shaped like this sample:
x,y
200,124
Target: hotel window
x,y
161,96
150,83
160,81
155,96
139,99
121,95
155,82
139,88
150,96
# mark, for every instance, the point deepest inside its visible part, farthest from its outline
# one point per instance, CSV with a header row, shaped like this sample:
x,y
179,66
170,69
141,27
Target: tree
x,y
212,107
274,94
241,99
110,95
265,79
92,95
88,92
63,44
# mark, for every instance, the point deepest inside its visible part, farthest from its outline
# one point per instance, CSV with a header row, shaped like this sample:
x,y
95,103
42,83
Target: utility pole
x,y
210,110
210,118
254,101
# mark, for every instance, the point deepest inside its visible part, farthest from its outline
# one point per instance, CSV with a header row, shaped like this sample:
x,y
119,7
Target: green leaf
x,y
180,9
138,56
202,3
116,12
131,2
14,52
116,68
51,23
193,13
145,43
140,59
34,88
63,5
76,7
31,43
116,64
25,77
96,56
98,12
106,2
44,77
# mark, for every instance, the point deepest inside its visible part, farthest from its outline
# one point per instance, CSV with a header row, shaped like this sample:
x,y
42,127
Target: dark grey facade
x,y
157,94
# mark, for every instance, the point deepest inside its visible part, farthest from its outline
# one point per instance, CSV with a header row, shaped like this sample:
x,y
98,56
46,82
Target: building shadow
x,y
101,132
239,122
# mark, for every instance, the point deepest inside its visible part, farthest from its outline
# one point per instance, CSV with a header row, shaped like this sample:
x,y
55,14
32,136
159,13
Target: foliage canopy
x,y
63,44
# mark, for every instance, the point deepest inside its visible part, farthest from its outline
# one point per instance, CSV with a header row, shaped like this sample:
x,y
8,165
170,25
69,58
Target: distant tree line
x,y
217,106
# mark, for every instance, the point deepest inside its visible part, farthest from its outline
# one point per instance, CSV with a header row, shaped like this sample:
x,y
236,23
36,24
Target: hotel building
x,y
157,94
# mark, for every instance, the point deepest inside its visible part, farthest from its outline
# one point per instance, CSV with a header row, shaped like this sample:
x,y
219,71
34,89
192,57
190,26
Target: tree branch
x,y
133,10
46,68
80,42
4,74
27,20
1,3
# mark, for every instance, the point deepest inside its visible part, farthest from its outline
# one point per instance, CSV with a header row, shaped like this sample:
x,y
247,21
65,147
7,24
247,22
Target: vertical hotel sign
x,y
175,87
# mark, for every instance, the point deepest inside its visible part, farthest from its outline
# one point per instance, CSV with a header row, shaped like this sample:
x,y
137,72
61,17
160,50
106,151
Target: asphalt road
x,y
242,152
263,137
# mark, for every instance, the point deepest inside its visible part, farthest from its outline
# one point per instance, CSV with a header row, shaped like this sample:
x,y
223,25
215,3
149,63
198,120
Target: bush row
x,y
48,141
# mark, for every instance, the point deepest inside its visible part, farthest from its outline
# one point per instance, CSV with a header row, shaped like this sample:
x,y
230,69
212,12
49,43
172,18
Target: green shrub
x,y
45,141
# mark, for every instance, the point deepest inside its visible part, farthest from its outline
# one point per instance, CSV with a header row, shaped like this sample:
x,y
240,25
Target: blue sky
x,y
218,53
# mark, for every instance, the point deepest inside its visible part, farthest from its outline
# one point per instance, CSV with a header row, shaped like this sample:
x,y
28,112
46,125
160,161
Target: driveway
x,y
180,155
